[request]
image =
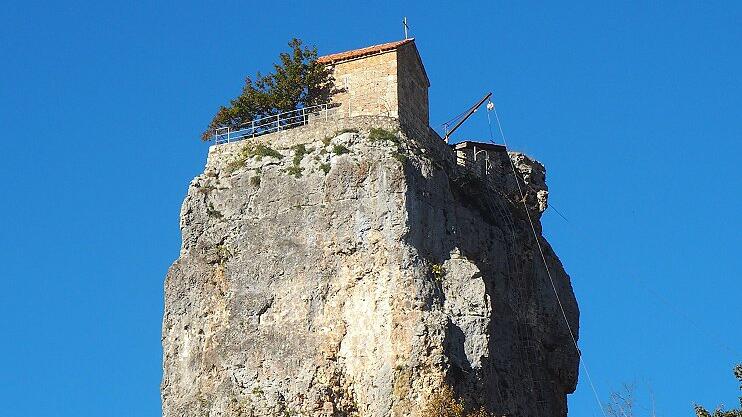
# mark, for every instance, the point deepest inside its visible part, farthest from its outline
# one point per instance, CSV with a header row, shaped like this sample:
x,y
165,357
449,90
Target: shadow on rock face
x,y
454,349
498,362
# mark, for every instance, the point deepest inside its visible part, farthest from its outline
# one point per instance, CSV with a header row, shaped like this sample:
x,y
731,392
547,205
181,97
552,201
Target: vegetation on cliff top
x,y
297,81
250,150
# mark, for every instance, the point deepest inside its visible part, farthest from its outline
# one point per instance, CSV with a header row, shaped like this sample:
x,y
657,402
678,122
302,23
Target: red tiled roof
x,y
356,53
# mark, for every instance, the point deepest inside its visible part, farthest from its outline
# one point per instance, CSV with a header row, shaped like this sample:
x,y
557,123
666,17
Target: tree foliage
x,y
719,411
297,81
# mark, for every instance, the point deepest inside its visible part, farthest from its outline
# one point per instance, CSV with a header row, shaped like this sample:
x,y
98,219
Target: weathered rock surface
x,y
359,283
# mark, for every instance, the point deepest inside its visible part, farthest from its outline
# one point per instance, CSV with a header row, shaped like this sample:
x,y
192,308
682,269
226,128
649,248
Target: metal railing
x,y
276,123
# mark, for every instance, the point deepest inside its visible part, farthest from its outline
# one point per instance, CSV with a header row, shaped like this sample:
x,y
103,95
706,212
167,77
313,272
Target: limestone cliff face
x,y
358,283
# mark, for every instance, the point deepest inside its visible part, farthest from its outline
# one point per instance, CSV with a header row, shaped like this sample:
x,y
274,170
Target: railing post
x,y
252,127
228,130
278,122
325,109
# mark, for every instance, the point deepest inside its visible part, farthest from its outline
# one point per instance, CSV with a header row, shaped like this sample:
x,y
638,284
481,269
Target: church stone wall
x,y
368,85
392,83
412,89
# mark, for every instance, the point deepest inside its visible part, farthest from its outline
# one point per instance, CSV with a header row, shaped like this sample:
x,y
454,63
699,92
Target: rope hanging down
x,y
491,108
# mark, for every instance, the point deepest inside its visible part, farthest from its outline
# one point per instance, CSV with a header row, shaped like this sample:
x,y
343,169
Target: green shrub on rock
x,y
340,150
252,150
382,135
445,404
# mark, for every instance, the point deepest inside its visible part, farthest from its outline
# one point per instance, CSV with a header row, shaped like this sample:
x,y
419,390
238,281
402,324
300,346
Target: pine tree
x,y
297,81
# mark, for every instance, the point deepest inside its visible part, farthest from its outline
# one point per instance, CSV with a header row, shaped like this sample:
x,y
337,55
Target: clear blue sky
x,y
635,108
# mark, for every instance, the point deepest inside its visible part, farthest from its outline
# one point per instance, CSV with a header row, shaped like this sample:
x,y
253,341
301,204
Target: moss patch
x,y
340,150
382,135
294,170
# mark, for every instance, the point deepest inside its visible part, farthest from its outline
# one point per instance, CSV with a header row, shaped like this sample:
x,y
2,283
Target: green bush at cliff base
x,y
445,404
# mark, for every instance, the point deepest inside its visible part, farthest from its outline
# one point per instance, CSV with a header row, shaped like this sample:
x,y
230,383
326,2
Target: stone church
x,y
382,80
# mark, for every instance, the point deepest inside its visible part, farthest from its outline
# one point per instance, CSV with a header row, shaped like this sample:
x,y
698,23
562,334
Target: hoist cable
x,y
491,107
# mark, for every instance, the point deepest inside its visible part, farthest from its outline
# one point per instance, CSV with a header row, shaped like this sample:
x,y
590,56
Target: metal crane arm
x,y
469,113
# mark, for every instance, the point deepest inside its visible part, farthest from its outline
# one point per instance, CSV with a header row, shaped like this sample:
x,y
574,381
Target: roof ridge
x,y
368,50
